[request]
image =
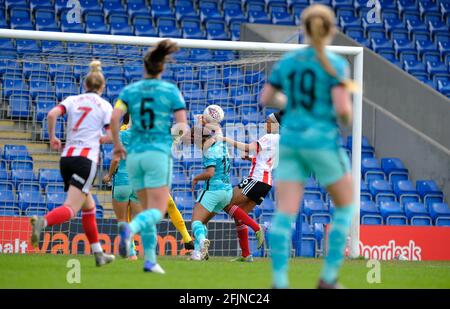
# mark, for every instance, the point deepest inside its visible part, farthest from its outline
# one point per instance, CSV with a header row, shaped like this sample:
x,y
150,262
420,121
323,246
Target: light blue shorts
x,y
328,165
124,193
215,201
149,169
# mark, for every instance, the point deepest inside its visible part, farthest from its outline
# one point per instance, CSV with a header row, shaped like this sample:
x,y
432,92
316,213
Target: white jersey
x,y
266,158
87,115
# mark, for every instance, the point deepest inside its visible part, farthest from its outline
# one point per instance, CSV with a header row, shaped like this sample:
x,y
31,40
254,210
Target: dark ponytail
x,y
155,59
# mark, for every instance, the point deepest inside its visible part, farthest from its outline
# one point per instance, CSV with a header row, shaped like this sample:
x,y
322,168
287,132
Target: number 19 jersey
x,y
151,103
309,120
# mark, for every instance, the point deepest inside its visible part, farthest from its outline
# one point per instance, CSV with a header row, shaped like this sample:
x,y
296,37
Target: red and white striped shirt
x,y
266,158
87,115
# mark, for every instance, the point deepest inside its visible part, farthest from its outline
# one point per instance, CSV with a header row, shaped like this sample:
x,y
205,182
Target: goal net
x,y
41,69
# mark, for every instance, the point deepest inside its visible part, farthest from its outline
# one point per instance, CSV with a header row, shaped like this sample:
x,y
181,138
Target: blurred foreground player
x,y
315,83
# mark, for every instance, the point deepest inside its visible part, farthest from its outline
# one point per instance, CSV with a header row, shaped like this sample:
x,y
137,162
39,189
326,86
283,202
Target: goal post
x,y
247,47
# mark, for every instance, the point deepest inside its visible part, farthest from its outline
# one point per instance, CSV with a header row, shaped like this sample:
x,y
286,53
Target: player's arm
x,y
342,103
52,116
273,97
241,146
112,168
207,174
119,110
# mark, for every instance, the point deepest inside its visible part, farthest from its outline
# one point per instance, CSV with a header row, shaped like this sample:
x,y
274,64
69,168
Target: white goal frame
x,y
356,52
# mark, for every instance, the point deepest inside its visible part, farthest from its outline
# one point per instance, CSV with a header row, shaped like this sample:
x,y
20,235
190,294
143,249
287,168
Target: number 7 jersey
x,y
87,115
151,104
309,120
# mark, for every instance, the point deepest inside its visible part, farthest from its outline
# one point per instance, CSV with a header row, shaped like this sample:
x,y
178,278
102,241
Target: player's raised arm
x,y
239,145
52,115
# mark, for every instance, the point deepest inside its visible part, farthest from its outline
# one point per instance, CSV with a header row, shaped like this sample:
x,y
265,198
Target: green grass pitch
x,y
50,271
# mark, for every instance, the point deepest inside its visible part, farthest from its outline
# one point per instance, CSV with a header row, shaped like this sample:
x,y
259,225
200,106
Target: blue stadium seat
x,y
7,199
440,212
393,213
185,9
437,27
382,191
4,175
7,46
137,8
379,45
21,165
66,88
37,69
116,7
242,95
192,29
19,176
209,10
42,108
167,27
41,5
20,19
216,30
11,85
161,10
259,17
45,20
179,180
444,87
19,106
11,4
413,67
417,214
95,23
41,88
437,68
143,26
426,47
280,14
15,152
394,169
114,86
350,23
405,189
89,6
233,12
316,211
371,166
119,25
55,199
428,188
131,72
49,176
370,214
404,46
6,186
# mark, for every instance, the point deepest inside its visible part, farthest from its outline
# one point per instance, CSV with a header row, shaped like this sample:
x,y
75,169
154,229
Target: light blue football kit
x,y
122,190
309,144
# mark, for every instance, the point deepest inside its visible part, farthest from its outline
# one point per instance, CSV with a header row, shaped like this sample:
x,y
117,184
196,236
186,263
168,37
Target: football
x,y
213,114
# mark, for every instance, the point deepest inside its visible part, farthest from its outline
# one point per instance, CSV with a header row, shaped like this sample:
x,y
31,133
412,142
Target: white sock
x,y
96,247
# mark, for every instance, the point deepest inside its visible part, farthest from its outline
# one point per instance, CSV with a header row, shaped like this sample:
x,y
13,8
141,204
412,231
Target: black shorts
x,y
254,189
79,172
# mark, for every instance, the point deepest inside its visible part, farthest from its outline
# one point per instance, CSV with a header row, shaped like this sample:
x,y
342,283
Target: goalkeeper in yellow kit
x,y
125,202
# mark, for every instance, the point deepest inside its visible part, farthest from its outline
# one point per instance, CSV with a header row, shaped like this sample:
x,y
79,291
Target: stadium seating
x,y
393,213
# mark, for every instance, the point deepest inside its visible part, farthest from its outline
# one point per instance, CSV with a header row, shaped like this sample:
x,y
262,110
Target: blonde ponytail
x,y
95,80
95,66
318,22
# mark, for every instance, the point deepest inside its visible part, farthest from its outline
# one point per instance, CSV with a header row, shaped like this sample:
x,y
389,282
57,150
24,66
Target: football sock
x,y
199,231
177,220
241,216
90,229
279,241
59,215
149,239
337,237
145,219
242,232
